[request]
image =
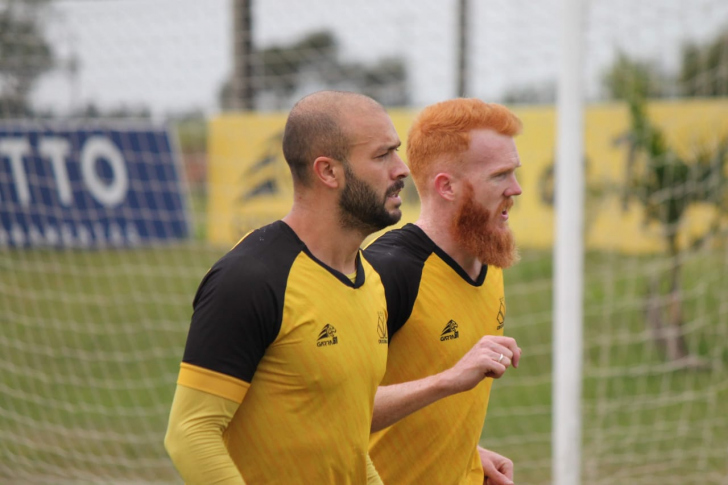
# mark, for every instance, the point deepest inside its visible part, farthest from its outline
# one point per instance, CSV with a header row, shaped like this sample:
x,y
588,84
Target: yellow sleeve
x,y
372,473
194,437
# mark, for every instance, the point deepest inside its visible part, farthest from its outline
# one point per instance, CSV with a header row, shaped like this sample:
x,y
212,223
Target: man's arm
x,y
497,469
396,401
194,438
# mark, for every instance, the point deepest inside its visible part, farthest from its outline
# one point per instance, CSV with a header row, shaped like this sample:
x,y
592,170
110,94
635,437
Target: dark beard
x,y
361,209
472,230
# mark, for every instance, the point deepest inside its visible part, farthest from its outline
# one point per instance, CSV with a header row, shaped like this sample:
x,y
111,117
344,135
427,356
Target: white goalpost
x,y
568,251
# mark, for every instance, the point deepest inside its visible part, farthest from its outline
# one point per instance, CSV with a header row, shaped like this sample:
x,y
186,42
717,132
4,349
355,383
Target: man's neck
x,y
443,238
322,233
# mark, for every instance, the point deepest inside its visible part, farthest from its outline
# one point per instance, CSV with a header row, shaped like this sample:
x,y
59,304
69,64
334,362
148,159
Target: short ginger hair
x,y
441,132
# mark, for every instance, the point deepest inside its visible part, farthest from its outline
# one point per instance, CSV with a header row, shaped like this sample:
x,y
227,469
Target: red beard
x,y
472,230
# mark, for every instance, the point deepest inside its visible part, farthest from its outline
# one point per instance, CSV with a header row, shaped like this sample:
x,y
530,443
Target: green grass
x,y
643,420
91,342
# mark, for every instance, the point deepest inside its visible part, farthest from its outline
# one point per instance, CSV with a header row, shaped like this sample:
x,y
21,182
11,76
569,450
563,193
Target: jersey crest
x,y
450,331
382,328
501,313
327,336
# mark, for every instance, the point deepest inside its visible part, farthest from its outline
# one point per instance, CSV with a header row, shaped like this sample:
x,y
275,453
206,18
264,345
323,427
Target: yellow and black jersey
x,y
301,347
436,314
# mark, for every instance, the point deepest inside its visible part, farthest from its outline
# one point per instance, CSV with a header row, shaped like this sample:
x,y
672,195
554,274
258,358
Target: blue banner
x,y
88,186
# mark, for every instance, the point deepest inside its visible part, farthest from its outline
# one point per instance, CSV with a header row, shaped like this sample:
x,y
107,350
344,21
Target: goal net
x,y
126,170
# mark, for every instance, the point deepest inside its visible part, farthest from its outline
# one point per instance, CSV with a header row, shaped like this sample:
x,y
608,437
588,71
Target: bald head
x,y
318,126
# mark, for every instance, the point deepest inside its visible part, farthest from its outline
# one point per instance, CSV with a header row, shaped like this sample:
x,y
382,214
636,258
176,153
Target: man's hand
x,y
497,469
490,357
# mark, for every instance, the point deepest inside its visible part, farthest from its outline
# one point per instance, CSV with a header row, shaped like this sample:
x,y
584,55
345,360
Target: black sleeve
x,y
237,315
401,272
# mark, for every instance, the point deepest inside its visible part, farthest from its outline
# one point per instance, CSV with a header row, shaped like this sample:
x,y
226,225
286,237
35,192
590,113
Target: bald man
x,y
286,346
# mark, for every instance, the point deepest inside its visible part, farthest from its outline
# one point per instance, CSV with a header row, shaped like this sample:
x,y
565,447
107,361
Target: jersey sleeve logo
x,y
382,328
450,331
501,313
327,336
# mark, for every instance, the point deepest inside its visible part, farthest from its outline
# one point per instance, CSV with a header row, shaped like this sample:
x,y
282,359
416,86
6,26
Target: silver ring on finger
x,y
500,358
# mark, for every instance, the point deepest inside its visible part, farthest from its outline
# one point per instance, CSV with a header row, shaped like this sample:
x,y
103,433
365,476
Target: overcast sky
x,y
173,55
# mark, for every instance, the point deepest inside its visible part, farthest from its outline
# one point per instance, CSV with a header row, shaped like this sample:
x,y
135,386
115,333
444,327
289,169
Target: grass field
x,y
644,419
91,342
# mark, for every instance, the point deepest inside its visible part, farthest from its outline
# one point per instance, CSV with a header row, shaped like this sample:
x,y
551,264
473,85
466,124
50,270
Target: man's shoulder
x,y
407,245
399,257
261,254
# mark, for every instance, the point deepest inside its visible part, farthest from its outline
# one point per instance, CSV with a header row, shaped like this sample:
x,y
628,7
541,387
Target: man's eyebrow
x,y
509,168
389,147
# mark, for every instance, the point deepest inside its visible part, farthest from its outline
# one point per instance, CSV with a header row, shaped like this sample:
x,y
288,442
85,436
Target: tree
x,y
666,185
24,54
281,65
627,77
313,63
704,70
541,93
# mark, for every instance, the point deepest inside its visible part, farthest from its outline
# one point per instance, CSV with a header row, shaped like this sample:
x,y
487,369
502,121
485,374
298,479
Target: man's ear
x,y
329,171
446,186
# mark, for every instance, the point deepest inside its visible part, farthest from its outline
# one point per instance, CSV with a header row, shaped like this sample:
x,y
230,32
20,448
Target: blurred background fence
x,y
138,140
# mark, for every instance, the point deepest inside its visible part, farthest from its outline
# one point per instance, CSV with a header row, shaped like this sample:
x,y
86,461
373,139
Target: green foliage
x,y
533,94
627,77
282,64
704,70
666,184
315,59
92,111
663,182
192,135
25,55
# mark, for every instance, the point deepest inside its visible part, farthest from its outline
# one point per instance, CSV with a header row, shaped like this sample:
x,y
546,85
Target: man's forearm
x,y
194,438
397,401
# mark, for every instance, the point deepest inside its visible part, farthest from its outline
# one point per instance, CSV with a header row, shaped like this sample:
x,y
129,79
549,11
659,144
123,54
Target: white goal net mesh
x,y
103,243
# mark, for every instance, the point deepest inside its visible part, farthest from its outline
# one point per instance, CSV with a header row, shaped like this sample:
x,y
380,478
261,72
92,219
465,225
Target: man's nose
x,y
401,170
515,189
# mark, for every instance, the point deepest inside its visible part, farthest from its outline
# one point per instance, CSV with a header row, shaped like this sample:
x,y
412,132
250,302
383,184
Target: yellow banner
x,y
249,183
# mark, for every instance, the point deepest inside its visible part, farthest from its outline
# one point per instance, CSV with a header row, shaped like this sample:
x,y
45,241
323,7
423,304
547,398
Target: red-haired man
x,y
443,277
